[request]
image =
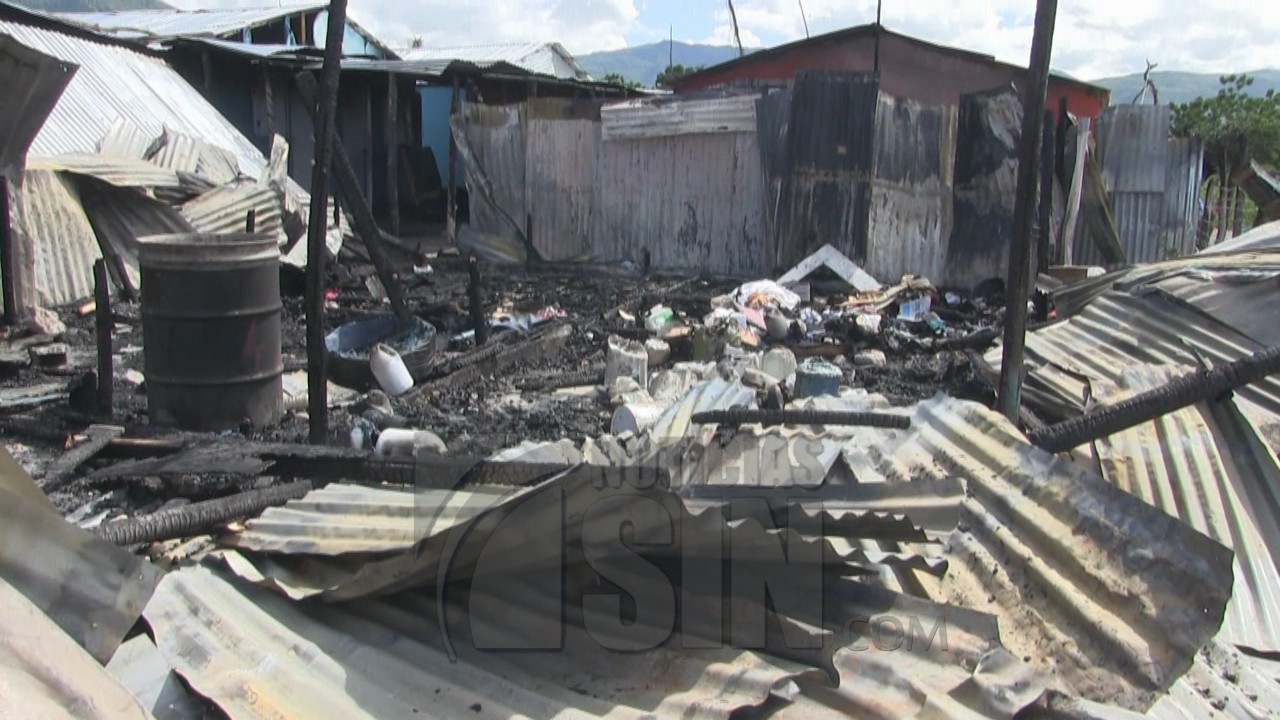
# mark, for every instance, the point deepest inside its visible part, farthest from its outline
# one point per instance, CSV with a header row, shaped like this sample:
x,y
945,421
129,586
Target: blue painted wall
x,y
435,126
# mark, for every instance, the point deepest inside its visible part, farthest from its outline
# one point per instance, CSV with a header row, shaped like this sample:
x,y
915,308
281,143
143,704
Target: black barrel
x,y
211,330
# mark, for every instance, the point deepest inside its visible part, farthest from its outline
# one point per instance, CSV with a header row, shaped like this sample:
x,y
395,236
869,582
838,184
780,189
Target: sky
x,y
1093,38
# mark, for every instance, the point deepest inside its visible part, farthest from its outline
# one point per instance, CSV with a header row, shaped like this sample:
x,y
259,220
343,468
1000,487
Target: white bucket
x,y
626,358
389,370
399,442
636,417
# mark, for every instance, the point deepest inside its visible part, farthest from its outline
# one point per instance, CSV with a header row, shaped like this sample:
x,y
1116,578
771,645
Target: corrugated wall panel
x,y
911,197
560,181
1133,142
692,200
57,247
496,133
986,173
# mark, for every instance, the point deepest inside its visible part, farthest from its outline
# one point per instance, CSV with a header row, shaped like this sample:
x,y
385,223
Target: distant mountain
x,y
642,63
1180,87
90,5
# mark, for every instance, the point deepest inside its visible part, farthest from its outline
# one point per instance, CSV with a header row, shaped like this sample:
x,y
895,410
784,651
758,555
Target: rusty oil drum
x,y
211,330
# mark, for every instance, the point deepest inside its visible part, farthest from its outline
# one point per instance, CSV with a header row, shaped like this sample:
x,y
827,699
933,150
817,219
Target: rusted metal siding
x,y
1152,181
986,170
826,186
911,195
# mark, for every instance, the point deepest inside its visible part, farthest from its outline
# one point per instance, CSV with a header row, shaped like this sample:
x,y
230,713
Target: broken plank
x,y
33,396
61,469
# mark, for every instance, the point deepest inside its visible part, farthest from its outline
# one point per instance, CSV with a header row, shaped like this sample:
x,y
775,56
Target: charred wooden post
x,y
392,141
475,298
327,107
105,322
361,215
1018,284
1048,154
8,260
452,208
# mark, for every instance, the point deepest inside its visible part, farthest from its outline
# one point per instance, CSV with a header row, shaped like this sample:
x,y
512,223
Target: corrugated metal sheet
x,y
652,118
93,590
34,81
53,240
826,186
1152,181
159,24
127,140
45,674
986,172
226,209
185,154
690,201
1103,591
1186,464
911,196
121,172
535,57
114,82
1262,237
382,660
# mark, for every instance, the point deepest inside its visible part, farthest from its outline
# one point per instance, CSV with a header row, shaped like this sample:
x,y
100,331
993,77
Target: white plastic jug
x,y
389,370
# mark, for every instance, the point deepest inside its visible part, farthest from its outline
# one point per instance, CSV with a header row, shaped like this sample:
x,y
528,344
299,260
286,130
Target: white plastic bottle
x,y
389,370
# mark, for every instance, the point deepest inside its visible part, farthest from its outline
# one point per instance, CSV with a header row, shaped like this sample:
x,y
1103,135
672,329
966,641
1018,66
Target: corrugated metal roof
x,y
119,171
170,23
541,58
93,590
226,209
114,82
1186,464
44,673
1262,237
33,81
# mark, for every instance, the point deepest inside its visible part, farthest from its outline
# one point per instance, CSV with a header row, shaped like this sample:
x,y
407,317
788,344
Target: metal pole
x,y
452,209
8,260
1018,283
877,56
317,380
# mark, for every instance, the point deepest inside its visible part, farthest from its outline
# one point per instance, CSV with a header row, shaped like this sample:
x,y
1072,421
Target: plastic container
x,y
389,370
660,319
636,417
815,378
398,442
626,358
779,364
659,352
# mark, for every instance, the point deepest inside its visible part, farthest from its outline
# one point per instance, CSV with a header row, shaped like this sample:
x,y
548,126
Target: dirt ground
x,y
483,412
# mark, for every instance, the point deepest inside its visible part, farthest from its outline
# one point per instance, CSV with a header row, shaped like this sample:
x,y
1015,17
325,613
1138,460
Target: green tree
x,y
614,78
674,73
1237,129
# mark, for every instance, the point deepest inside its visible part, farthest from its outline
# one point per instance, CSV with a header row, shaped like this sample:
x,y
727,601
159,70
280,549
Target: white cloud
x,y
1093,38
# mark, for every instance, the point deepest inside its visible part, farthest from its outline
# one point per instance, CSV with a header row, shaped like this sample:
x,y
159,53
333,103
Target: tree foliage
x,y
674,73
1235,126
614,78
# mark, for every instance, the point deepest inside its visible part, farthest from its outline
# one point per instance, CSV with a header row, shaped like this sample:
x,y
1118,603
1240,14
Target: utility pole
x,y
805,18
1018,285
879,3
733,15
317,377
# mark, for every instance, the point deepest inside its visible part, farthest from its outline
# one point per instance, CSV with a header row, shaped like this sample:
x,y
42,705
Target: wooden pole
x,y
1018,283
104,321
317,380
453,169
8,260
360,213
393,152
475,299
1048,154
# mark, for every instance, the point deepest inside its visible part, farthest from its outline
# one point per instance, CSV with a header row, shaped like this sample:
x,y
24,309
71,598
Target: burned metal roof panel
x,y
34,81
55,245
115,82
